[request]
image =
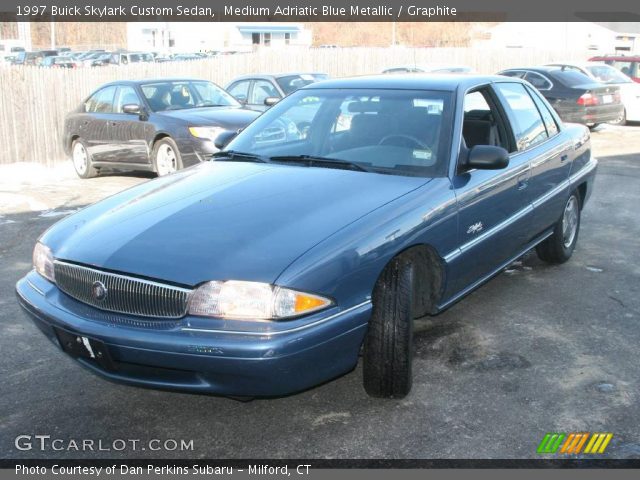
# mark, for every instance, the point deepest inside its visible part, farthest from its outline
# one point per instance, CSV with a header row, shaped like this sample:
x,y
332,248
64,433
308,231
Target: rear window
x,y
571,78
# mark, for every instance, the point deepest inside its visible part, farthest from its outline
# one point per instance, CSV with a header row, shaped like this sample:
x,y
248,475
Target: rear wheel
x,y
559,247
82,159
166,157
388,347
621,120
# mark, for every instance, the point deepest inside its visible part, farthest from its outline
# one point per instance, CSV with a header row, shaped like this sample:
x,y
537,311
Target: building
x,y
568,36
182,37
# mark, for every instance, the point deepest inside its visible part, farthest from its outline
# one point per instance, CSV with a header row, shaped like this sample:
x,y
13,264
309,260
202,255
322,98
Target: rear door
x,y
95,126
537,131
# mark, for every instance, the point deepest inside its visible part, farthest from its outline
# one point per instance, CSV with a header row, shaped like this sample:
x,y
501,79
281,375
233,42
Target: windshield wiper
x,y
234,156
310,161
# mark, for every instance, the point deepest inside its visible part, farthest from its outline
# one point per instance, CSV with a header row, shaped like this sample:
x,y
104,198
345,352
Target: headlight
x,y
43,261
206,133
252,300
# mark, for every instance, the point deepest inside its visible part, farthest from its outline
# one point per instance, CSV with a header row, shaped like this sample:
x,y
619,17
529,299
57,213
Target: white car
x,y
629,90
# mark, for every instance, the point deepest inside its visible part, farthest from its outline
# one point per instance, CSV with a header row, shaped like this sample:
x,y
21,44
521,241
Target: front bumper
x,y
182,355
195,150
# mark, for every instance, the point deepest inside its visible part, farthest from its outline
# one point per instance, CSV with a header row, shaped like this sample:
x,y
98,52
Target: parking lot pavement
x,y
538,349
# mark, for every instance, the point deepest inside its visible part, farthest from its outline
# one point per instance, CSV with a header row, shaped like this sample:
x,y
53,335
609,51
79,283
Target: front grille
x,y
123,294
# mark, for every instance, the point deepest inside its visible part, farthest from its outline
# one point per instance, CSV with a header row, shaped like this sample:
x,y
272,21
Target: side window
x,y
482,124
547,117
101,101
538,81
240,90
528,126
126,95
261,90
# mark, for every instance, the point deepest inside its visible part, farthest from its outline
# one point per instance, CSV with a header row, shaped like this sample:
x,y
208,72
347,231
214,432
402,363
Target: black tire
x,y
160,165
555,249
621,120
388,347
84,169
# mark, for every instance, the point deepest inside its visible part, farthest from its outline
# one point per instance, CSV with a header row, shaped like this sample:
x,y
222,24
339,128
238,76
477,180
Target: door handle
x,y
564,158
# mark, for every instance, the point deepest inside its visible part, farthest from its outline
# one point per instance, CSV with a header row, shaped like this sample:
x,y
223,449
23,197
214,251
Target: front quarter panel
x,y
346,265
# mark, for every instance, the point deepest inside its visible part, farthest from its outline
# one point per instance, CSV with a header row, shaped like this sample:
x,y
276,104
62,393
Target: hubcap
x,y
80,158
570,222
166,160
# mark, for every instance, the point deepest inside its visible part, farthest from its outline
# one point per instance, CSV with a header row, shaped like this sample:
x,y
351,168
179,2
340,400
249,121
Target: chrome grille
x,y
124,294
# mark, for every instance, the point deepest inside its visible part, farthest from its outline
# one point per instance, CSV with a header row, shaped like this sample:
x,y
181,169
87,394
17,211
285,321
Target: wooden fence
x,y
34,100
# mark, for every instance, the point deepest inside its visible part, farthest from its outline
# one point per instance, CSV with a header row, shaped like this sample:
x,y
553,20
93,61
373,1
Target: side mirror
x,y
271,101
132,109
487,157
224,138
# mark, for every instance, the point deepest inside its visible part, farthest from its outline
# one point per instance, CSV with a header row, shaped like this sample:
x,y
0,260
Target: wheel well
x,y
159,136
582,192
428,276
73,139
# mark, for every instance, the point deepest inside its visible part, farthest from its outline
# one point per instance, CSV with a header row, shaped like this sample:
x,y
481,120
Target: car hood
x,y
232,118
221,220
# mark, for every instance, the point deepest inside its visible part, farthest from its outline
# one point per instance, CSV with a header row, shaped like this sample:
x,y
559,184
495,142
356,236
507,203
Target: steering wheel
x,y
416,142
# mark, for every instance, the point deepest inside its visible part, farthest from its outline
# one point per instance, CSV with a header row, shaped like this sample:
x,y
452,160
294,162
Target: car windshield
x,y
291,83
179,95
398,132
607,74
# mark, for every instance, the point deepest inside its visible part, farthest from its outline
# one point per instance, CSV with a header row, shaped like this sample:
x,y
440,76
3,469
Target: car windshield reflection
x,y
384,131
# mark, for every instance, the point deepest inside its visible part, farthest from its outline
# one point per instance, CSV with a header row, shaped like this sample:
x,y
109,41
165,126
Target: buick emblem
x,y
99,291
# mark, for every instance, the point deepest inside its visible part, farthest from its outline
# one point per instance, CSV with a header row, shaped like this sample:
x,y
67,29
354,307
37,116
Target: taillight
x,y
588,99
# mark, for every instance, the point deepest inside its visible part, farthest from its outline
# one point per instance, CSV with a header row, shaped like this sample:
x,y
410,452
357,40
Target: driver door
x,y
493,205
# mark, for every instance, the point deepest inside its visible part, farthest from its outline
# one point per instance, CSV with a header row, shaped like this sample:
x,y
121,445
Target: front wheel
x,y
388,347
82,160
559,247
166,157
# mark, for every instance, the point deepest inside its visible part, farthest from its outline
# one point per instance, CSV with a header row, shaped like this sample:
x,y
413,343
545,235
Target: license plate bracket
x,y
80,346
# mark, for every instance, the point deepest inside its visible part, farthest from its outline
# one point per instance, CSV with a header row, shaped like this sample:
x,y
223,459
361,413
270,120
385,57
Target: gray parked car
x,y
259,92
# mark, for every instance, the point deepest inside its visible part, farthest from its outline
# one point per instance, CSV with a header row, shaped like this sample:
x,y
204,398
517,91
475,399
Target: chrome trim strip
x,y
551,193
278,332
505,223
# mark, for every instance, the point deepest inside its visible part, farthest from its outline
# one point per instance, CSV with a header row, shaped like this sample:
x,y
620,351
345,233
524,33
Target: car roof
x,y
154,80
414,81
538,68
628,58
273,75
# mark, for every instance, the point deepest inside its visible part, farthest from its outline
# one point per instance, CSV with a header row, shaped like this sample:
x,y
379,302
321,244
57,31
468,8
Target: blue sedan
x,y
272,268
